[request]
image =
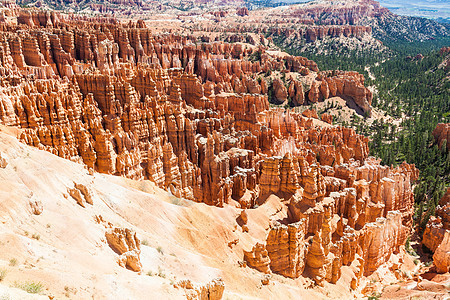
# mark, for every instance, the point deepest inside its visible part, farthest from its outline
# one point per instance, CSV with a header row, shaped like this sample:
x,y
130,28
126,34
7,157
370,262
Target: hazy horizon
x,y
432,9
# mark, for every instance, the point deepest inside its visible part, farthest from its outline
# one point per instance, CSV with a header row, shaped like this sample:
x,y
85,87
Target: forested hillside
x,y
417,90
412,83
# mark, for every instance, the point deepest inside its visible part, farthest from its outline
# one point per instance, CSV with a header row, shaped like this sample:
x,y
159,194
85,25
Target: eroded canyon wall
x,y
195,119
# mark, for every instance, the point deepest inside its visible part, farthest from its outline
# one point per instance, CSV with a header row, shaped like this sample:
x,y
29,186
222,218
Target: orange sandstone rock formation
x,y
437,233
125,243
195,119
442,133
210,291
129,103
366,210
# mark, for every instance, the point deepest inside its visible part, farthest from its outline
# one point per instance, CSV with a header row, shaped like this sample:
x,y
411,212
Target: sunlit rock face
x,y
195,119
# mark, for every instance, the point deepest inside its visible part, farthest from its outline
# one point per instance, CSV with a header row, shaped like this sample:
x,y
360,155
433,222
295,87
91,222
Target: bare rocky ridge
x,y
384,24
342,12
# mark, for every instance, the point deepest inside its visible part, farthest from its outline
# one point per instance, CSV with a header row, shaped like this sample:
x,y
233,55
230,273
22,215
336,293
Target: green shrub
x,y
30,287
2,274
161,273
5,297
374,296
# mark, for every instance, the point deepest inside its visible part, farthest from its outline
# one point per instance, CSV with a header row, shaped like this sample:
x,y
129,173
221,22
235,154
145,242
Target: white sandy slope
x,y
71,259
